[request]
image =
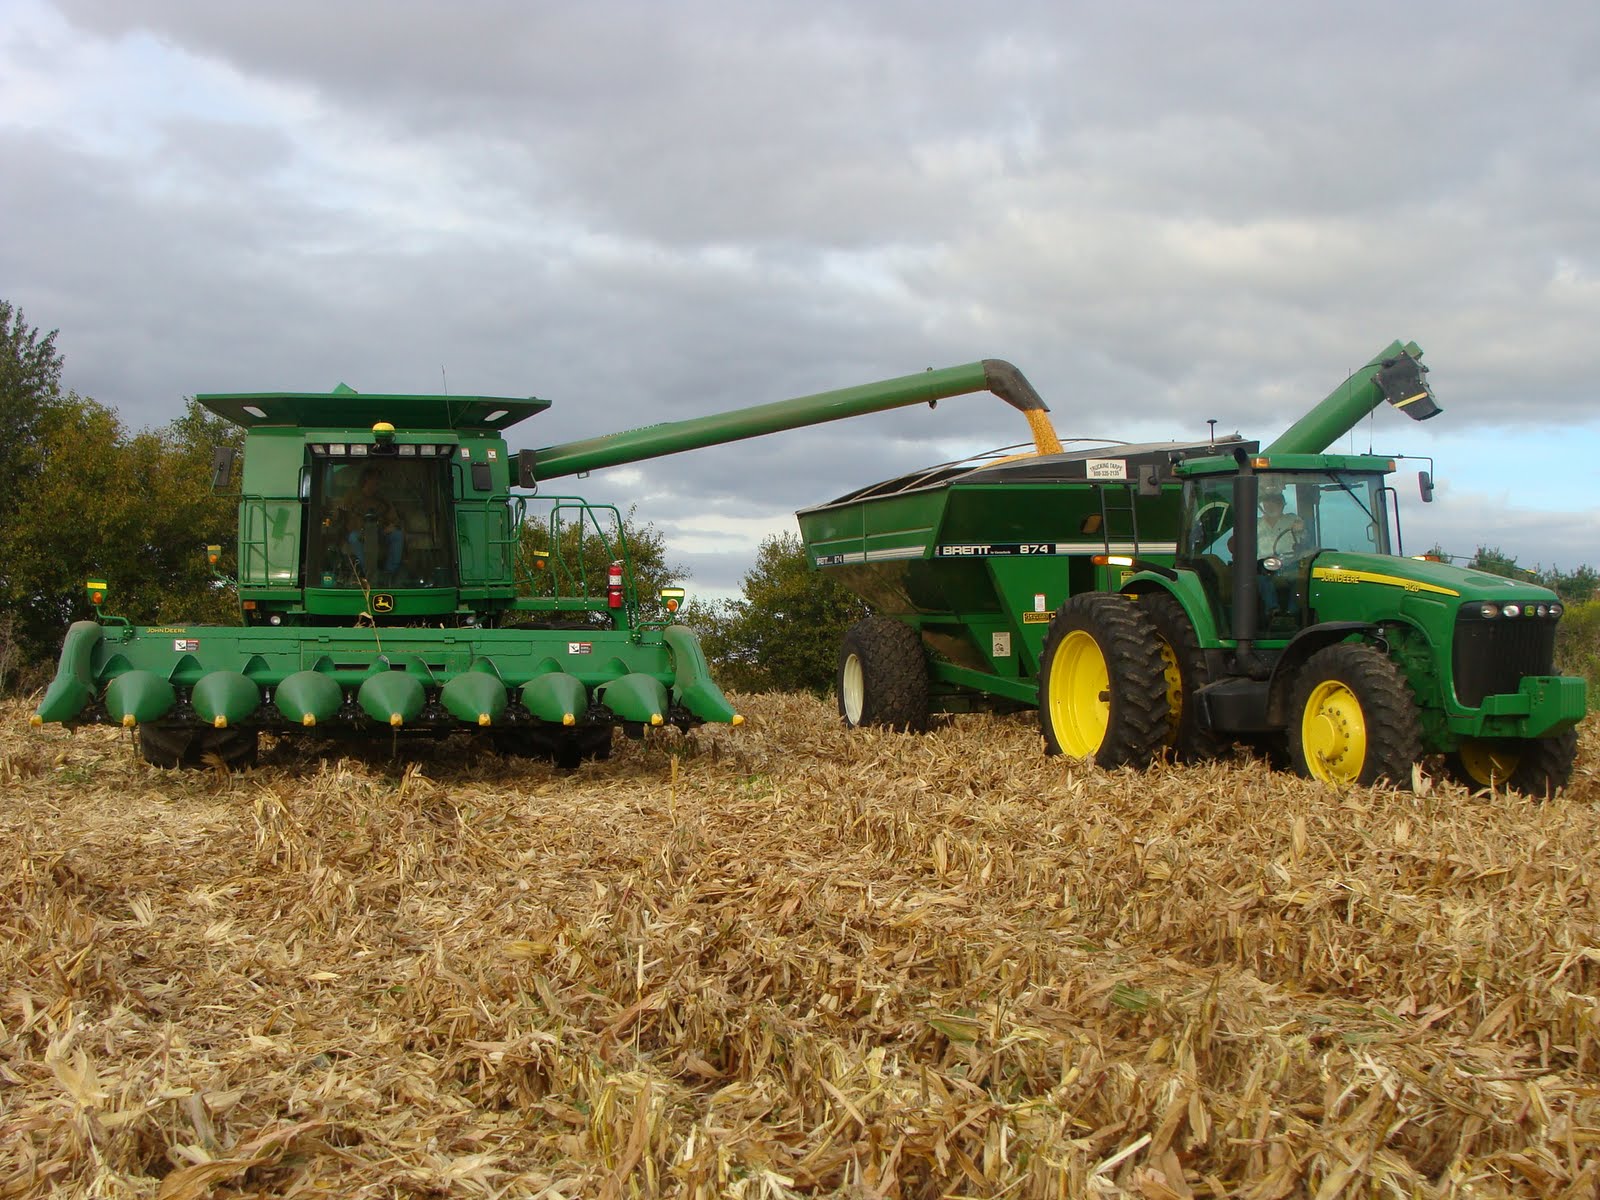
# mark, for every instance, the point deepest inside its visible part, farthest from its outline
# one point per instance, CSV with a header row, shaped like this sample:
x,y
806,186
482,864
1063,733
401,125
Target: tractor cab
x,y
1286,510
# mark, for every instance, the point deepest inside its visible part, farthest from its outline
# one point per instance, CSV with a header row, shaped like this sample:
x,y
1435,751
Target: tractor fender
x,y
1185,589
1304,644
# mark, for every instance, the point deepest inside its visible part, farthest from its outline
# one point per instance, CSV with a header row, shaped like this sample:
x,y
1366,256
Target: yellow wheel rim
x,y
1488,764
1333,733
1173,676
1080,703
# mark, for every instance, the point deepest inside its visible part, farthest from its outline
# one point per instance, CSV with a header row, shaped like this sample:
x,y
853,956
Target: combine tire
x,y
883,676
1352,718
185,746
1183,665
167,746
563,748
1535,767
1102,683
236,748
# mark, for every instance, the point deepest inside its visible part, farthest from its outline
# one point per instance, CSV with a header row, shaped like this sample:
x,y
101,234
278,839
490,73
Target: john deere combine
x,y
390,582
1180,597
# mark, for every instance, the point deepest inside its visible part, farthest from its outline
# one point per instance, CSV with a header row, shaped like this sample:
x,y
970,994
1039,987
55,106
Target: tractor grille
x,y
1493,654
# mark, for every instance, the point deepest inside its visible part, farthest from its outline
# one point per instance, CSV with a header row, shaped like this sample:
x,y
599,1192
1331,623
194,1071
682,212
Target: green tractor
x,y
1176,598
391,583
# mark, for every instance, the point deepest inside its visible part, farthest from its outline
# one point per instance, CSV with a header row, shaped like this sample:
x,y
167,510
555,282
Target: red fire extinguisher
x,y
614,585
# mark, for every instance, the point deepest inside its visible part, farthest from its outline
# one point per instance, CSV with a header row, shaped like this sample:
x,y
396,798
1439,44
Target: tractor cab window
x,y
380,522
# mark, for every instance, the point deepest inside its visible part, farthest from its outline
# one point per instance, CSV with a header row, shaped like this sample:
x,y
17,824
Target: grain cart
x,y
384,586
1106,586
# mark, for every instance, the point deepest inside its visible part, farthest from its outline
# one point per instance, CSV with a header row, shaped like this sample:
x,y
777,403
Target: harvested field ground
x,y
787,959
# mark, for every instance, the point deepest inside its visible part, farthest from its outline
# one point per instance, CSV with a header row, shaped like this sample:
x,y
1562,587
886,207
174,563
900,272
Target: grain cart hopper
x,y
1103,586
387,583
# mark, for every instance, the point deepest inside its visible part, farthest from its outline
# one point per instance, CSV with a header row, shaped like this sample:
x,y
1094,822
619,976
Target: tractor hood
x,y
1436,581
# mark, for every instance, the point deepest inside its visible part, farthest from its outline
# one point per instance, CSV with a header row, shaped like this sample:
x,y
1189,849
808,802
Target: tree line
x,y
83,496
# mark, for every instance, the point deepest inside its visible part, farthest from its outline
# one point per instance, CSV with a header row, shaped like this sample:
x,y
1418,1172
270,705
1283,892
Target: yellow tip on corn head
x,y
36,720
309,720
655,718
128,721
568,719
483,720
737,720
220,723
396,720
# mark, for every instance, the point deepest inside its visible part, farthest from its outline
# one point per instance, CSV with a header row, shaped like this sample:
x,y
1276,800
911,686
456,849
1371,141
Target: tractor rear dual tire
x,y
1103,683
882,677
1188,739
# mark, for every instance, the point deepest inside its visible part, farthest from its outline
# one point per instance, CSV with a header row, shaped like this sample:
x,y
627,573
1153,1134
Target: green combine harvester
x,y
1107,587
391,583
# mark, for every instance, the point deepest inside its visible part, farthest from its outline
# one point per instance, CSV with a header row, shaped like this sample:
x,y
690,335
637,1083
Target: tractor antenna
x,y
1212,422
444,380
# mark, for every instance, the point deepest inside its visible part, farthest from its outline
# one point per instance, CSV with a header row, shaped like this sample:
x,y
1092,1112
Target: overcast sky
x,y
1162,213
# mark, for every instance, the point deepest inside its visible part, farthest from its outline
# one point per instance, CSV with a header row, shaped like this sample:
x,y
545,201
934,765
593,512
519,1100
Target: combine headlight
x,y
275,619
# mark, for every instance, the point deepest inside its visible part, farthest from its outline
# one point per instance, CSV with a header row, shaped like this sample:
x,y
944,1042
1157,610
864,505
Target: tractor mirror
x,y
222,459
1425,486
527,475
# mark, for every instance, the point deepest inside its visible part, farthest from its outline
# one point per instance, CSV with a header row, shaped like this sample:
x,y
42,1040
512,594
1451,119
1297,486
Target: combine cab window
x,y
380,523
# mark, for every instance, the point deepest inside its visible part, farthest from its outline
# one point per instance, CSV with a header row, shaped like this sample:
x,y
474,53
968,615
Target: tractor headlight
x,y
1555,612
1272,563
1488,610
1543,610
1511,610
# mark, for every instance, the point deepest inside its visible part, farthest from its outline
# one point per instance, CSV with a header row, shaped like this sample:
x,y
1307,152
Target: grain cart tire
x,y
167,745
1535,767
1352,718
883,676
1184,669
1102,683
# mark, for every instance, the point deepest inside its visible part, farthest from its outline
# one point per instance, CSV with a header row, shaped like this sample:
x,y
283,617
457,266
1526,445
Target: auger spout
x,y
672,437
1395,374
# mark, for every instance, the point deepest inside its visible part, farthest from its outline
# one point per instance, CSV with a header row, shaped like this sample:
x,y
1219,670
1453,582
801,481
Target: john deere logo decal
x,y
383,602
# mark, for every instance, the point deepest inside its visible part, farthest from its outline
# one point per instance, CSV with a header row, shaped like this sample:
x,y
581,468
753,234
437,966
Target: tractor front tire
x,y
1352,719
883,676
1536,767
1184,667
1103,686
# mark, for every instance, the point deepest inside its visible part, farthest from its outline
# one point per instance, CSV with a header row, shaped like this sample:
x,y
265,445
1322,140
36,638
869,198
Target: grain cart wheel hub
x,y
852,689
1080,698
1334,733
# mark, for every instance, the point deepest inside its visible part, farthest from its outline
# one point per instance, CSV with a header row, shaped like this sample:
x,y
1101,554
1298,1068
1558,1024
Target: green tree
x,y
134,509
784,634
30,385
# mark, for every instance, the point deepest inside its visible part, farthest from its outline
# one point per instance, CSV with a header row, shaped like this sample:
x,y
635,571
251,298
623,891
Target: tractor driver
x,y
367,506
1278,532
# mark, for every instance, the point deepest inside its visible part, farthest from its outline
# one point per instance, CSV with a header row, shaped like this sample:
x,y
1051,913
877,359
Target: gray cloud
x,y
1163,213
